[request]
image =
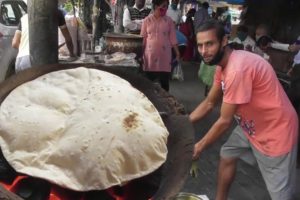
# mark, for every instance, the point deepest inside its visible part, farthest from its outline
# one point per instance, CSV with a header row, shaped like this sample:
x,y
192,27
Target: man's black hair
x,y
191,12
213,24
263,41
158,2
205,5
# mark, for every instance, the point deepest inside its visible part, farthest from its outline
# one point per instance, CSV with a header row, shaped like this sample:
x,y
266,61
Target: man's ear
x,y
224,40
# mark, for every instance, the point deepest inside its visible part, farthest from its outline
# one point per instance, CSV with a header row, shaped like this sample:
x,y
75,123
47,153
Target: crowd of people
x,y
188,19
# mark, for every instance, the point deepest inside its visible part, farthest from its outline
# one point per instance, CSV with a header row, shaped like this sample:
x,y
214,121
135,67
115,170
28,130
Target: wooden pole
x,y
43,31
117,10
95,16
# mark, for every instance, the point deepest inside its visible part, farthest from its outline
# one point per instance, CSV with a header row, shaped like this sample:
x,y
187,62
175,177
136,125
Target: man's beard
x,y
217,58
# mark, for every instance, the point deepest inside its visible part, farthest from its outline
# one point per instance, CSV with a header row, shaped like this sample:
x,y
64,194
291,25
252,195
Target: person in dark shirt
x,y
133,17
201,16
65,32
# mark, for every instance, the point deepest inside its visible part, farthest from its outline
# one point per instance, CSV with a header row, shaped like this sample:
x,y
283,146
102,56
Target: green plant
x,y
68,6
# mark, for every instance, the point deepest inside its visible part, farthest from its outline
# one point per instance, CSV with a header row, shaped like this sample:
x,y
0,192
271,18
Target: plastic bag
x,y
177,73
206,73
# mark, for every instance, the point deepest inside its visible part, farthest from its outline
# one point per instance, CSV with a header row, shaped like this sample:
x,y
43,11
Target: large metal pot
x,y
126,43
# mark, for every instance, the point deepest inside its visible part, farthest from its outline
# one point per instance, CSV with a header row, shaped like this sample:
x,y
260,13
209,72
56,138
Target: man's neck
x,y
138,8
227,52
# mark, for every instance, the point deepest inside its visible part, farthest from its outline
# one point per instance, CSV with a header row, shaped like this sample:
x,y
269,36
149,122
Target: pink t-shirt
x,y
159,35
264,110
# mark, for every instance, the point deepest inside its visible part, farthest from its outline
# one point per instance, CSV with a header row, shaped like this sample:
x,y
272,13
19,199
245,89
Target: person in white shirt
x,y
263,30
295,69
21,41
244,39
294,74
174,12
264,41
133,17
293,92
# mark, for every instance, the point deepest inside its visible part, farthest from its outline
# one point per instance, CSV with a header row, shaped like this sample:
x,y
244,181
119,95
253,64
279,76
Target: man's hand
x,y
138,23
294,47
248,48
197,151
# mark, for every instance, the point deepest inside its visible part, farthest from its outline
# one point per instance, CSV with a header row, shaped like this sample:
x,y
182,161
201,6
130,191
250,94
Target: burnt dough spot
x,y
130,122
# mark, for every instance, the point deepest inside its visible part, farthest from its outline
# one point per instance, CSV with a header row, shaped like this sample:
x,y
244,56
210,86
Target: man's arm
x,y
65,31
68,39
217,130
280,46
128,23
207,104
17,39
176,49
294,47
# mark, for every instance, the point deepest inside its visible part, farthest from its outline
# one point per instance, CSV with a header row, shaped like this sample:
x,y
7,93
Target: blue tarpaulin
x,y
239,2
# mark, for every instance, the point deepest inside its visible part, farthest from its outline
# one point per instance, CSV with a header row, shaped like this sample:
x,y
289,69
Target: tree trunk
x,y
86,14
103,24
118,16
43,31
95,17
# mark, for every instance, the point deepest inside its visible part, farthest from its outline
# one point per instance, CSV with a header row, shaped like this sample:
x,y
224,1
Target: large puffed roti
x,y
83,129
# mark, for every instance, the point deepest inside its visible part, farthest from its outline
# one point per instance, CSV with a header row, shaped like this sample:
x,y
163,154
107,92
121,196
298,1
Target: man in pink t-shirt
x,y
267,129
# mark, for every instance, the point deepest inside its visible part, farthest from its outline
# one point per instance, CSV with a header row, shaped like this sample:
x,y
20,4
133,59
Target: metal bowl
x,y
187,196
126,43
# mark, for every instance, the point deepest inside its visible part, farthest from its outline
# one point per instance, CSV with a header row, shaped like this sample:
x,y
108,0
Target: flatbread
x,y
83,129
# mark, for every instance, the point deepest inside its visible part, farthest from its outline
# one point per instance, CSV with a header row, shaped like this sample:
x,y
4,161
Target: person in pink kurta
x,y
159,38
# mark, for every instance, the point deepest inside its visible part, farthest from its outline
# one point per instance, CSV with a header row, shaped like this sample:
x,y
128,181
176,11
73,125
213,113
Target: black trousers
x,y
162,77
294,90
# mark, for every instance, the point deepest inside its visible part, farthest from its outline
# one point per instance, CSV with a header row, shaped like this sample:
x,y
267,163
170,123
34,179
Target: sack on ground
x,y
177,73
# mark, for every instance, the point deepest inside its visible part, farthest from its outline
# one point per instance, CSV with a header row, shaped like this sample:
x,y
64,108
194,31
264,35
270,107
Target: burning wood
x,y
134,190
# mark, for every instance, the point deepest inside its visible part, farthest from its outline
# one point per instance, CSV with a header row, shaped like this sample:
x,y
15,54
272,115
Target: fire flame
x,y
112,194
58,193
